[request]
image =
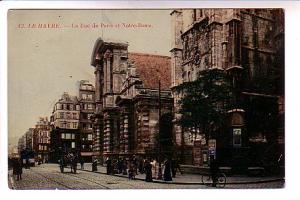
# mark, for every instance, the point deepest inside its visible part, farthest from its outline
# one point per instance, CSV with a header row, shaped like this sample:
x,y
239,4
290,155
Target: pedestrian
x,y
135,164
108,165
113,166
120,165
61,164
178,166
82,163
148,171
141,165
27,166
124,166
17,169
131,171
154,168
167,171
214,169
74,161
173,167
94,165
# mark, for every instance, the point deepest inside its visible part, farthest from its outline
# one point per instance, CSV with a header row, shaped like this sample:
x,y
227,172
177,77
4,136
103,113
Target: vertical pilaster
x,y
234,42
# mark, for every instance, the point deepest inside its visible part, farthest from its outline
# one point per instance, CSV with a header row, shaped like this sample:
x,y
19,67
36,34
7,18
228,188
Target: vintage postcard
x,y
146,99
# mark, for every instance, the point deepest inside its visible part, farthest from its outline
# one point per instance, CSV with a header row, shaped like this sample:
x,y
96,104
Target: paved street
x,y
48,176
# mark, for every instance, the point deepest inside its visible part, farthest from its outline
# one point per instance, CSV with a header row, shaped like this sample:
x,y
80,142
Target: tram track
x,y
86,179
78,177
79,181
55,181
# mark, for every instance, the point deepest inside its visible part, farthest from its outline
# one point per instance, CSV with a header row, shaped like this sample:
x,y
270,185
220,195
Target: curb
x,y
11,183
192,183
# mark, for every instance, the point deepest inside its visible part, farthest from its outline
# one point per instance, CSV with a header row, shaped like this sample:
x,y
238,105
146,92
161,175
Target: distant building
x,y
87,108
65,134
21,144
13,152
42,133
127,100
30,139
27,147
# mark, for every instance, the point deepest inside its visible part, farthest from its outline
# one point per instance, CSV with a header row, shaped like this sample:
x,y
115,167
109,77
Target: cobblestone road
x,y
48,176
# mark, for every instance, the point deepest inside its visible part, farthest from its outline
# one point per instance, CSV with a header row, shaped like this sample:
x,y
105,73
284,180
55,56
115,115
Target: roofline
x,y
149,54
102,45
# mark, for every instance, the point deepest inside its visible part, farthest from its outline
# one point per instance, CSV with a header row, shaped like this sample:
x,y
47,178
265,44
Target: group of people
x,y
150,167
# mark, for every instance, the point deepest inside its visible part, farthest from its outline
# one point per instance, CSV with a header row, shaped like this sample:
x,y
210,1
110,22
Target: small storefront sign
x,y
197,153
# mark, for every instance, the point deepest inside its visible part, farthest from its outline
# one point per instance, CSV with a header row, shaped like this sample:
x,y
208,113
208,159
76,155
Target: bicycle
x,y
220,180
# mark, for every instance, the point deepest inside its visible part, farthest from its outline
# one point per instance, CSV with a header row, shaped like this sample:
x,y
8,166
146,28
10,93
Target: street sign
x,y
212,152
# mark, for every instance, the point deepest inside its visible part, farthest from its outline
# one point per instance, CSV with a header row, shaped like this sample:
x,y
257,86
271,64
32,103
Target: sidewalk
x,y
189,179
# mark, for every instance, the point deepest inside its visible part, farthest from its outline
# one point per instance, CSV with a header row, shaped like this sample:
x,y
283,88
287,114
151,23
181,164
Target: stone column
x,y
234,42
122,134
126,135
107,135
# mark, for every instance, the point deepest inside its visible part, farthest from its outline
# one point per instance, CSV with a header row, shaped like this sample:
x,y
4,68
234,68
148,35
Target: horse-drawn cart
x,y
68,159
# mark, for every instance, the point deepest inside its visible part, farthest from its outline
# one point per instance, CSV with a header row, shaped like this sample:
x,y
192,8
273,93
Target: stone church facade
x,y
248,44
128,101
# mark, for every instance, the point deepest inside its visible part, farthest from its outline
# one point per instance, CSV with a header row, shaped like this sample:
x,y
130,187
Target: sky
x,y
45,62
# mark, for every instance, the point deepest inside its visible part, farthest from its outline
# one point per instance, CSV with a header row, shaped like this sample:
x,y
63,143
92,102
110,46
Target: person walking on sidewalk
x,y
142,165
167,171
131,171
94,165
148,171
74,161
108,165
120,165
214,170
173,167
134,161
154,166
81,163
124,166
17,169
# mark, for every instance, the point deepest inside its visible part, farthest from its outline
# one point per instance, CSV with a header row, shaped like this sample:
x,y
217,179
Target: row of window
x,y
86,87
87,96
86,115
87,126
67,106
66,115
88,106
69,125
90,147
43,147
89,137
44,140
44,134
68,136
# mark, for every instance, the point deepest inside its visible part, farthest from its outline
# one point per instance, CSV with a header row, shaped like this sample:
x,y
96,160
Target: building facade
x,y
126,120
65,134
87,108
248,45
21,144
42,132
30,138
